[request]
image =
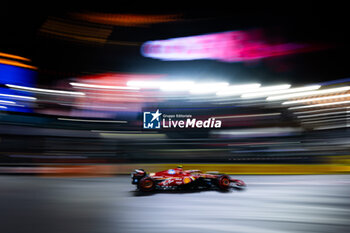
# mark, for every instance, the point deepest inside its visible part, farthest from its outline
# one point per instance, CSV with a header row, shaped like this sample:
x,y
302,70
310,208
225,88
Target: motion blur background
x,y
75,81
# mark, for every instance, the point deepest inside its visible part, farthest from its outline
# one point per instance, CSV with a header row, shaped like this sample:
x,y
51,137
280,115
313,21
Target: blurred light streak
x,y
316,99
308,93
326,120
145,84
97,107
260,90
331,127
85,85
248,115
46,91
323,114
238,89
95,94
19,97
177,86
229,46
11,56
103,90
321,118
206,88
16,63
278,92
319,105
320,110
7,102
258,132
86,120
76,31
163,85
14,73
128,20
3,107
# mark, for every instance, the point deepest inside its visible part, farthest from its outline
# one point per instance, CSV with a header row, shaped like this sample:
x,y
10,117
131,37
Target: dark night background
x,y
66,157
326,26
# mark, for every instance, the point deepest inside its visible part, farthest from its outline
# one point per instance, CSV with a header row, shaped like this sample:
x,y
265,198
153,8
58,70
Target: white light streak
x,y
264,90
177,86
238,89
309,93
145,84
85,85
162,85
21,97
286,91
7,102
206,88
46,91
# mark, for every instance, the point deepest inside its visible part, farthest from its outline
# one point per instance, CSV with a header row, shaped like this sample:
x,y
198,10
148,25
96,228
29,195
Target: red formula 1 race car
x,y
177,179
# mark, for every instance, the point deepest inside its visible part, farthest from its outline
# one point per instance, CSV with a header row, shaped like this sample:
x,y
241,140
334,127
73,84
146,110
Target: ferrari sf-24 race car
x,y
179,179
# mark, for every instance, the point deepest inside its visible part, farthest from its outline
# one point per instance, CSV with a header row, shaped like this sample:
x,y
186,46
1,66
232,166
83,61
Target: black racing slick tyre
x,y
223,182
146,184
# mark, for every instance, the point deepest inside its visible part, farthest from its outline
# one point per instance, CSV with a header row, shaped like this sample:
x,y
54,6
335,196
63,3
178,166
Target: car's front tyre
x,y
223,182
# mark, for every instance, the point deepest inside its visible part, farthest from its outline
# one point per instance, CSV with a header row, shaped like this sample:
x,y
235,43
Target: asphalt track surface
x,y
310,203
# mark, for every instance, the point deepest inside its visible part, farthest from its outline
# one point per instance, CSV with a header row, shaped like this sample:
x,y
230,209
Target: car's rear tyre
x,y
146,184
223,182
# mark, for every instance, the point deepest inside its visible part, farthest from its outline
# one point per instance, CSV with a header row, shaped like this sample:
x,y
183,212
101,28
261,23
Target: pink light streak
x,y
231,46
